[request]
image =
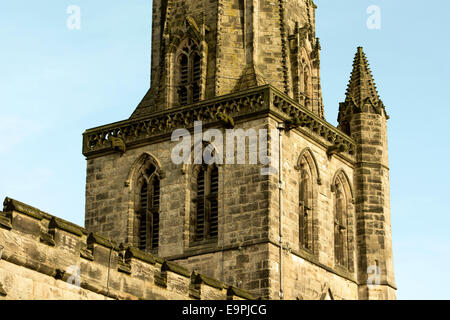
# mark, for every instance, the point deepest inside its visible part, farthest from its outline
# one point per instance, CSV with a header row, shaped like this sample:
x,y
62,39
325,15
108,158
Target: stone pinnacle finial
x,y
362,95
361,85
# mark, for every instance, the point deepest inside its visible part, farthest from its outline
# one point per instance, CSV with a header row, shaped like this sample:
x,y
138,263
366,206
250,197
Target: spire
x,y
361,85
362,95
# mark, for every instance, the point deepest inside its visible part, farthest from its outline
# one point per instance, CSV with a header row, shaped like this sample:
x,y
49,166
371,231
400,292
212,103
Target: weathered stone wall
x,y
245,265
304,270
243,208
232,44
248,213
308,279
44,257
373,204
294,144
110,205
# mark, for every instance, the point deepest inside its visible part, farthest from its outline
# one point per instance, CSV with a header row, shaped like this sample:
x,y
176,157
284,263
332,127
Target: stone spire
x,y
361,85
362,94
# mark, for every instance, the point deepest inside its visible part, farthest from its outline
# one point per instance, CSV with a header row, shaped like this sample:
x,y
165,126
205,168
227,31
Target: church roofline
x,y
46,236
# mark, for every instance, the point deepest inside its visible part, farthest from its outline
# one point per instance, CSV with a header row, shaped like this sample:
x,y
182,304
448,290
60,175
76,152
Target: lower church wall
x,y
44,257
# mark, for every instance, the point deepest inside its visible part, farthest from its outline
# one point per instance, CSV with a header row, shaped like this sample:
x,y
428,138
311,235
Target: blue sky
x,y
56,82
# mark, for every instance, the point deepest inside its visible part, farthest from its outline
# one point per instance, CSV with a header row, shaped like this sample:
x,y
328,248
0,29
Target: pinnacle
x,y
361,85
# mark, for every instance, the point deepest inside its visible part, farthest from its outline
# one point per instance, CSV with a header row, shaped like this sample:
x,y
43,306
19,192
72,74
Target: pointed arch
x,y
305,64
187,73
308,181
341,173
189,29
309,156
144,181
193,62
137,165
306,209
344,224
301,70
214,150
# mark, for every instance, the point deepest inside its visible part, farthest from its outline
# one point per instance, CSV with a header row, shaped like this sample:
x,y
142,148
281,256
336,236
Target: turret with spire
x,y
362,94
364,118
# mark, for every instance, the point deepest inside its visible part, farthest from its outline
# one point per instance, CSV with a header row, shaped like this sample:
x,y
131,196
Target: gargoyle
x,y
336,149
117,144
226,120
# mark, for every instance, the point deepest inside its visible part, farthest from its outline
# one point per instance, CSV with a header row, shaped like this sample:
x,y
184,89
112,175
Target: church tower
x,y
230,45
302,211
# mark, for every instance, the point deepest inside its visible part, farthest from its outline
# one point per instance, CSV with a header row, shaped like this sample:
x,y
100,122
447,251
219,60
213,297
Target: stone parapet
x,y
44,257
255,102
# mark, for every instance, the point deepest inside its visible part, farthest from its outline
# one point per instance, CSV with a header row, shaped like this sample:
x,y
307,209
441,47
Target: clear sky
x,y
56,82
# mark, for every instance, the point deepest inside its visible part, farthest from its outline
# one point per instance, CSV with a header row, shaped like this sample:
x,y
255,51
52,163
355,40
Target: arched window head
x,y
148,210
306,207
308,180
341,223
189,69
206,200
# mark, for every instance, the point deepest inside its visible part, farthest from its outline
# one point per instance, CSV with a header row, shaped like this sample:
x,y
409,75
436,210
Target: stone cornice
x,y
263,100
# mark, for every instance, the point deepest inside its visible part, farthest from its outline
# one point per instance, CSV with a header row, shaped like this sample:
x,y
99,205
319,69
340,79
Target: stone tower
x,y
363,117
233,45
313,226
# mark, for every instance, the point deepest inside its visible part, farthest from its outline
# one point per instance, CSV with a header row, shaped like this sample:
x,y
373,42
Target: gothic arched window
x,y
340,226
148,211
308,181
206,200
189,68
306,210
343,225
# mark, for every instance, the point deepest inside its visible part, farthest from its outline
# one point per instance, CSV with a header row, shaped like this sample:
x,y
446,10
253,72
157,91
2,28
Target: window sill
x,y
199,246
307,252
207,242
